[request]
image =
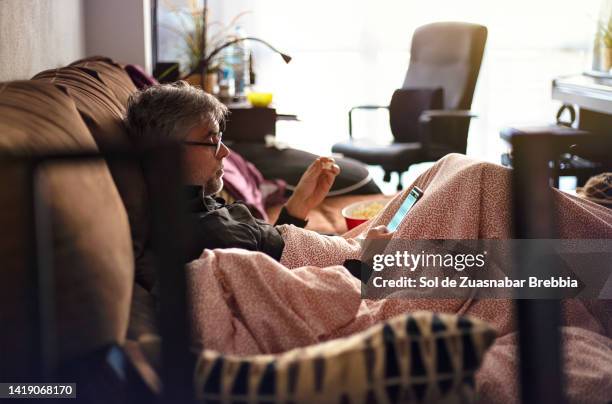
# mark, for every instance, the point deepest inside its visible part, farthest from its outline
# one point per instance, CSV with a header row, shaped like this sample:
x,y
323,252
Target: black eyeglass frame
x,y
217,145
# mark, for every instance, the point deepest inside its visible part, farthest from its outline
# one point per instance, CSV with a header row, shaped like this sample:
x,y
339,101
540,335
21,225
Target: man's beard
x,y
213,186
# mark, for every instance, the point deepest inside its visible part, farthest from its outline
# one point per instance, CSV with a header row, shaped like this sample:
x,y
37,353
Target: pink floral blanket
x,y
246,303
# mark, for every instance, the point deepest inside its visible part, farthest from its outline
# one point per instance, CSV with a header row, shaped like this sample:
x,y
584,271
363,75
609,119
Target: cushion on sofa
x,y
417,357
103,113
242,181
92,252
289,165
111,74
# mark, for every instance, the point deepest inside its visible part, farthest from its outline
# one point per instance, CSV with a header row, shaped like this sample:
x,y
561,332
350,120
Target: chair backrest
x,y
447,55
406,107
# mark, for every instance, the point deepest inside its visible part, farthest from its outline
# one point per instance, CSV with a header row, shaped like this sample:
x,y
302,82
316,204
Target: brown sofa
x,y
98,221
97,210
92,251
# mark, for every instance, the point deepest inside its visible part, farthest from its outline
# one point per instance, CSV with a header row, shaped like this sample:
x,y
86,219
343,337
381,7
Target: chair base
x,y
387,177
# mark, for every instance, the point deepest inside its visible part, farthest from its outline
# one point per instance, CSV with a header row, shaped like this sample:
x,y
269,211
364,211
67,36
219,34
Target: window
x,y
350,52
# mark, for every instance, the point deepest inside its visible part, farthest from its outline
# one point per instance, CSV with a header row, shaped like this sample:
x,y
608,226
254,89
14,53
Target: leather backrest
x,y
103,113
92,252
447,55
406,107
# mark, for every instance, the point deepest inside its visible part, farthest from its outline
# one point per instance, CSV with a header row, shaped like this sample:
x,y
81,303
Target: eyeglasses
x,y
217,139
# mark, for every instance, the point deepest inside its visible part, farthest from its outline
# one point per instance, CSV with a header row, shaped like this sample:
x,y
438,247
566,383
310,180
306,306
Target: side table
x,y
246,123
564,144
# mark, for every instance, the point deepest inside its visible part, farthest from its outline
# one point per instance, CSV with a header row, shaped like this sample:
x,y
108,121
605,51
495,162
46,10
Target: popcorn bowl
x,y
360,212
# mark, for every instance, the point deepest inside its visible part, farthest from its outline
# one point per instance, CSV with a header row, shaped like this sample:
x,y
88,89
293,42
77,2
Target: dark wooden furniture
x,y
246,123
534,218
589,102
565,141
592,97
533,151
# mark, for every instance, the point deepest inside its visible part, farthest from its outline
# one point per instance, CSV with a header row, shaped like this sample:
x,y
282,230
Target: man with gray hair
x,y
186,114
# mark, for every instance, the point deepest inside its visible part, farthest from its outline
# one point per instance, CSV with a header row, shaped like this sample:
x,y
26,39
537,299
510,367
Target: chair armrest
x,y
430,114
367,107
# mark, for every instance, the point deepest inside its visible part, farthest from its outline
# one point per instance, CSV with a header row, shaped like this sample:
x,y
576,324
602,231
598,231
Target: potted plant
x,y
189,28
605,44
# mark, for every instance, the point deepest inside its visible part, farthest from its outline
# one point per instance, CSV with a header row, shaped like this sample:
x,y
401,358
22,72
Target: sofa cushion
x,y
92,254
111,74
103,113
243,182
100,108
289,165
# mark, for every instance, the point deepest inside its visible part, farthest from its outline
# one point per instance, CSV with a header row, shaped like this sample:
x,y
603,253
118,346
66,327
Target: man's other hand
x,y
379,232
371,246
313,187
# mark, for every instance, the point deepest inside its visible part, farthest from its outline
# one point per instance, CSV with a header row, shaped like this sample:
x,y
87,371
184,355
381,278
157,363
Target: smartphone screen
x,y
403,210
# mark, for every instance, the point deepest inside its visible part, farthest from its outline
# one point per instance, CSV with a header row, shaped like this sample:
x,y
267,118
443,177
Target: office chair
x,y
429,116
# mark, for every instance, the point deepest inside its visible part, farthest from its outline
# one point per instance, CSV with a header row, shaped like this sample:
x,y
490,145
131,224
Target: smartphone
x,y
412,198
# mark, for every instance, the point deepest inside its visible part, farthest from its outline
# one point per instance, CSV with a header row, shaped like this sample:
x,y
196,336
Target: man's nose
x,y
224,151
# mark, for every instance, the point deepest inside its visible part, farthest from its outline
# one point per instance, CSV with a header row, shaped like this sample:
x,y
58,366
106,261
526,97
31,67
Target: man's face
x,y
201,165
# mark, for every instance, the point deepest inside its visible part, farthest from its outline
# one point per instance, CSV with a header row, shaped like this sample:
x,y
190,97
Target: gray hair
x,y
167,111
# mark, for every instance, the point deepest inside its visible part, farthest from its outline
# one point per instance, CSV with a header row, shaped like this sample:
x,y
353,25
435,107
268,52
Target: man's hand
x,y
313,187
370,246
379,232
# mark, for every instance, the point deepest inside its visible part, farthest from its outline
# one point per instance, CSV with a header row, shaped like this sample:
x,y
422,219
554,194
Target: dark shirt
x,y
217,225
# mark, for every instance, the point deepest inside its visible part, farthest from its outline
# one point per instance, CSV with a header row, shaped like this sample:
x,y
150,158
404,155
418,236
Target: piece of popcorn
x,y
328,165
367,212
